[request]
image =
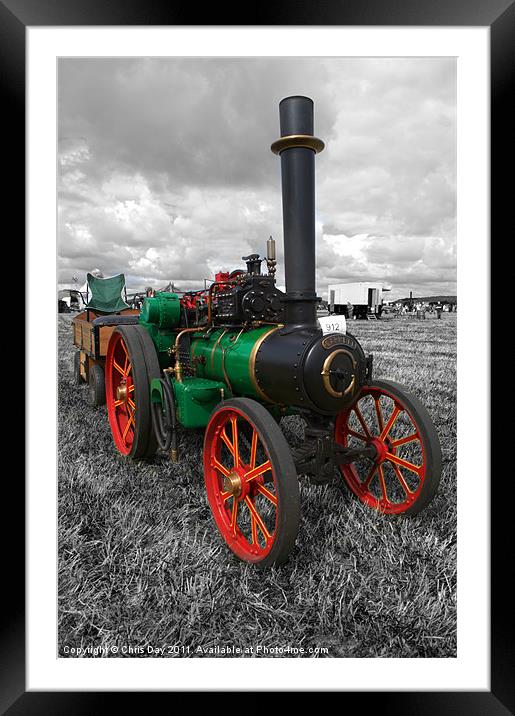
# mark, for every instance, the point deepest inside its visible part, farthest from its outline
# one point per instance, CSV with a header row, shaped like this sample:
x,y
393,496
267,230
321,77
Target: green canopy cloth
x,y
106,293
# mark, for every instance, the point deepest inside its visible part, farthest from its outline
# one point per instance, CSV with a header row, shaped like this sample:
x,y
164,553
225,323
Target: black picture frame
x,y
15,17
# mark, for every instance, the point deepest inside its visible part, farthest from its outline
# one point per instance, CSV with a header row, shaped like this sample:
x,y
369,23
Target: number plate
x,y
333,324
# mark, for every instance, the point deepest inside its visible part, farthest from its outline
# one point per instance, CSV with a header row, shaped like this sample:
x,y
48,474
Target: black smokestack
x,y
297,148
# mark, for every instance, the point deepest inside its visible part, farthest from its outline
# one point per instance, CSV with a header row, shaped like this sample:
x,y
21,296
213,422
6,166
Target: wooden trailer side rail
x,y
93,340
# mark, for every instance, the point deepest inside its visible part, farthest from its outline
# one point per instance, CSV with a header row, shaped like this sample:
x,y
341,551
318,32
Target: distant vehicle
x,y
71,298
366,298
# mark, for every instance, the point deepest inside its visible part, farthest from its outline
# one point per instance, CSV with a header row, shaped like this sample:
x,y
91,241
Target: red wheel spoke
x,y
230,445
362,421
259,470
234,516
369,477
131,403
253,449
383,484
119,368
225,495
379,414
117,403
254,529
130,388
357,435
226,440
257,517
129,422
389,425
269,495
407,439
404,463
218,466
401,479
236,449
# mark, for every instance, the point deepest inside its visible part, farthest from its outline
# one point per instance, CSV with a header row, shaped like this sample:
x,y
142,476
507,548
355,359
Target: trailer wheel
x,y
252,486
129,369
77,378
97,386
404,476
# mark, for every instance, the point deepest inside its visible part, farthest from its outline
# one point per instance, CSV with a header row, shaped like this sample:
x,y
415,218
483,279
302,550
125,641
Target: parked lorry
x,y
365,298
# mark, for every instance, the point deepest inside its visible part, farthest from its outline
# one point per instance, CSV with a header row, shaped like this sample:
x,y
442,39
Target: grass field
x,y
142,566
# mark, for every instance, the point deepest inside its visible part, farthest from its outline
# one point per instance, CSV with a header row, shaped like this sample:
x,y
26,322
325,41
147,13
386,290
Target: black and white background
x,y
165,171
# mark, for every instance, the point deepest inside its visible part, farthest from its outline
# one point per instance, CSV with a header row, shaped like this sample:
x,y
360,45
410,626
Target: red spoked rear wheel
x,y
404,476
130,365
251,482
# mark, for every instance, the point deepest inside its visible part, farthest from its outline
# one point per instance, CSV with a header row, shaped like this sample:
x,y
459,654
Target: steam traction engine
x,y
236,358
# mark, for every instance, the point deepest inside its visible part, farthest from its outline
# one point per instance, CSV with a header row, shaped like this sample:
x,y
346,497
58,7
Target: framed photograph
x,y
151,557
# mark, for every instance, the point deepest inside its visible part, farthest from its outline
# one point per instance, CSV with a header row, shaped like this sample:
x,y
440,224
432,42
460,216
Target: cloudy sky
x,y
166,173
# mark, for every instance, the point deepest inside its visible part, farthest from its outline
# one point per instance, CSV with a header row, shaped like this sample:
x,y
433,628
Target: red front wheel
x,y
251,482
405,474
131,363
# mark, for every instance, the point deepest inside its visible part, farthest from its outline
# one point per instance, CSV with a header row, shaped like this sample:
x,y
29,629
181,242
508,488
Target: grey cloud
x,y
166,173
397,250
199,121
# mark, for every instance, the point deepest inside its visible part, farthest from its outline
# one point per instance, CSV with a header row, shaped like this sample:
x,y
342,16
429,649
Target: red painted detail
x,y
189,300
226,279
381,449
371,432
238,518
222,278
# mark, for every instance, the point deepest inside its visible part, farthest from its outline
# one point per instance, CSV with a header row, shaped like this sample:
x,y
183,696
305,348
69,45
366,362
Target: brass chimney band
x,y
297,140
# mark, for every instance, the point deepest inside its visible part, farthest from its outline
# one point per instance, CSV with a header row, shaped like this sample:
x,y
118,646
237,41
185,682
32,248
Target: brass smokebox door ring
x,y
326,374
297,140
